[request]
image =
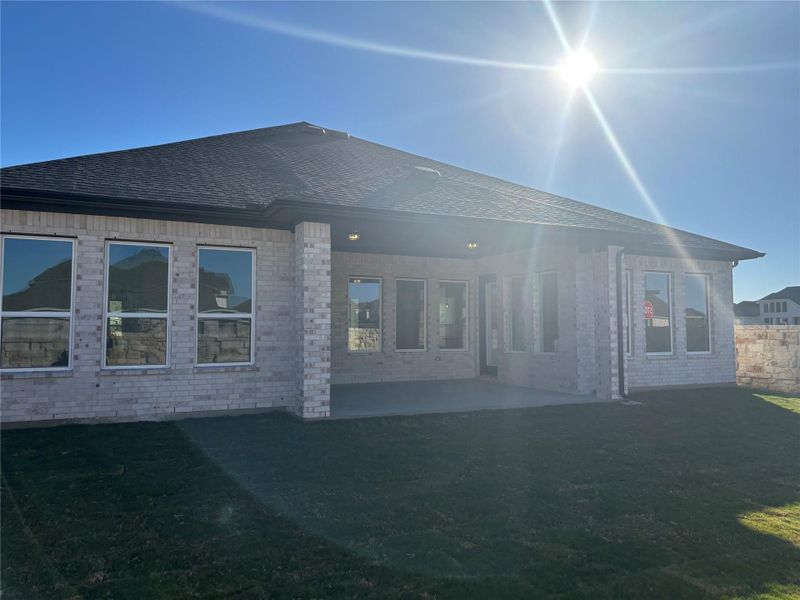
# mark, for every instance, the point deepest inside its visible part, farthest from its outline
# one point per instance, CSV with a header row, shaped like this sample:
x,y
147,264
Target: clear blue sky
x,y
717,151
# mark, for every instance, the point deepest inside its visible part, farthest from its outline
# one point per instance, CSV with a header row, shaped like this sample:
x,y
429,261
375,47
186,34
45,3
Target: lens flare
x,y
578,68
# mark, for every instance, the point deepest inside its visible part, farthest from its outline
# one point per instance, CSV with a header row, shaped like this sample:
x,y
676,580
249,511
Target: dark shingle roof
x,y
788,293
746,308
302,162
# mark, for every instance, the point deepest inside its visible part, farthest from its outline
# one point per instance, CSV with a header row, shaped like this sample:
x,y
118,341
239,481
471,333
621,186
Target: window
x,y
772,307
516,320
766,307
628,311
657,315
137,306
453,315
37,303
364,332
697,322
783,306
410,314
797,320
548,312
224,306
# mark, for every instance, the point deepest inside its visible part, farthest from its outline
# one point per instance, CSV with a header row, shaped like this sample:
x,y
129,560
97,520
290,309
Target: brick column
x,y
605,293
312,242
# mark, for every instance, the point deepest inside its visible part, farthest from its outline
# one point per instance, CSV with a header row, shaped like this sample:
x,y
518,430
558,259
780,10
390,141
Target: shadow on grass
x,y
690,494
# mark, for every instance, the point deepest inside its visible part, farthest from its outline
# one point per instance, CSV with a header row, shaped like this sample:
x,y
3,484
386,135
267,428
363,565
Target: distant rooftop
x,y
788,293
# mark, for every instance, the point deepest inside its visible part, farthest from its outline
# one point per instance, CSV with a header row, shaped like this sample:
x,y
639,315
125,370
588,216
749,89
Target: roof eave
x,y
286,213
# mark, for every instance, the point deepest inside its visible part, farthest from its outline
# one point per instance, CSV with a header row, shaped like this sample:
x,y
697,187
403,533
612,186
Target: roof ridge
x,y
165,144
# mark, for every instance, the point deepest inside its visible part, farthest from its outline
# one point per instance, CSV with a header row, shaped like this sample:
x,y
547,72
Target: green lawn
x,y
688,495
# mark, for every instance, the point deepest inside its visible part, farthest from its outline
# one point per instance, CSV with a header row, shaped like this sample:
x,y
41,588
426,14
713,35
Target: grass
x,y
688,495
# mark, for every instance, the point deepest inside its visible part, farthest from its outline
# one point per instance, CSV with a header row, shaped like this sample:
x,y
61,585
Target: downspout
x,y
620,331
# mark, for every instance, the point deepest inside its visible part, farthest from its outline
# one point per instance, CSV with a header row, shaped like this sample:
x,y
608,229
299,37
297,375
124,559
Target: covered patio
x,y
441,396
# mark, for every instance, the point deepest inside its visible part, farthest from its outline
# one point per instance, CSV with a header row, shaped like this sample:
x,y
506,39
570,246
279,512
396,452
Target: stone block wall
x,y
88,391
768,357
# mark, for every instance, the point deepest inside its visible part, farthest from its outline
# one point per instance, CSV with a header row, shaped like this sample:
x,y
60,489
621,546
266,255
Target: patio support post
x,y
313,319
606,350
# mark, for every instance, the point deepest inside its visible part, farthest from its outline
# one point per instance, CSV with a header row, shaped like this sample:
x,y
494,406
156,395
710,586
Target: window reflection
x,y
697,324
452,315
364,305
657,315
138,278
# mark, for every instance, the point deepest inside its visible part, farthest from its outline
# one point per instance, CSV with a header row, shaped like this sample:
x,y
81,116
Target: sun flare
x,y
578,68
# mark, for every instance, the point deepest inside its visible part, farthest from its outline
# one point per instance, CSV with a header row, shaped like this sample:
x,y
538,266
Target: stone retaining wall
x,y
768,357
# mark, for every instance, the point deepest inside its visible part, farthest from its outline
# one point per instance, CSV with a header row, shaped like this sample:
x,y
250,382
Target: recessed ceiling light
x,y
353,236
472,245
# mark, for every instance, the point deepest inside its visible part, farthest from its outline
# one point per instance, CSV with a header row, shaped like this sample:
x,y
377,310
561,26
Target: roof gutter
x,y
285,213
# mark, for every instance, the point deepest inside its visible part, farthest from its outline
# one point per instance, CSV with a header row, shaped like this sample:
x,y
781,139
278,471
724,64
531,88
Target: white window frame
x,y
670,295
510,315
540,314
209,315
51,314
628,291
707,280
138,315
380,314
467,328
424,315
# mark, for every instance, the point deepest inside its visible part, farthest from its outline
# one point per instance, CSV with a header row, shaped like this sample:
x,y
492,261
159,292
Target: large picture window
x,y
548,312
37,303
516,319
224,306
410,314
453,315
697,323
657,313
364,321
137,304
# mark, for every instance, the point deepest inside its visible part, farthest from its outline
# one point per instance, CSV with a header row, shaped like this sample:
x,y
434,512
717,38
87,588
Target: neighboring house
x,y
746,312
255,269
780,308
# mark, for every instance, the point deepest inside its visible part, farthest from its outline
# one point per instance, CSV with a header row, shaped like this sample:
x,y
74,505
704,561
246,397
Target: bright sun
x,y
578,68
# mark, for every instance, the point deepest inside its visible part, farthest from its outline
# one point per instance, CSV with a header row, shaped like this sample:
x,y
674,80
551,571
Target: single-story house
x,y
256,269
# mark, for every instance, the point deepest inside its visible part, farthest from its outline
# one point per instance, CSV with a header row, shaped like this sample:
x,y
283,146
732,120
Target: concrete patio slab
x,y
440,396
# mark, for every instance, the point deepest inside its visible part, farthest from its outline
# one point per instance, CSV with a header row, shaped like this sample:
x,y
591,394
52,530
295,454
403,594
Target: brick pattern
x,y
390,364
89,392
606,358
586,346
531,368
682,368
768,357
300,343
313,320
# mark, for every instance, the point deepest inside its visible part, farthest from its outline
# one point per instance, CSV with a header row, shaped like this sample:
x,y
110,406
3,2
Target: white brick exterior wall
x,y
313,320
89,392
550,371
300,344
389,364
681,368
